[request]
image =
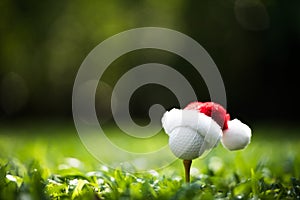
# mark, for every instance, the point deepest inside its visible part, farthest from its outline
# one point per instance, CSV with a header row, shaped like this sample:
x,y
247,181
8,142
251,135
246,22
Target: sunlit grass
x,y
50,162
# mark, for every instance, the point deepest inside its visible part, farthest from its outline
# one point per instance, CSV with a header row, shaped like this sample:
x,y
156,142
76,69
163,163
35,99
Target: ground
x,y
48,161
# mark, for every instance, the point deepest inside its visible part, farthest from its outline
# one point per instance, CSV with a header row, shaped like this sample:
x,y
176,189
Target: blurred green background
x,y
255,45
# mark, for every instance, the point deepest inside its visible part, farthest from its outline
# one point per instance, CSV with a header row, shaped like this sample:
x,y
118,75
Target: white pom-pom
x,y
237,136
191,133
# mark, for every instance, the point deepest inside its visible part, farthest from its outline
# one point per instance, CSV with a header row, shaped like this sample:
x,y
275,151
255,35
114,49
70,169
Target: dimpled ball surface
x,y
185,143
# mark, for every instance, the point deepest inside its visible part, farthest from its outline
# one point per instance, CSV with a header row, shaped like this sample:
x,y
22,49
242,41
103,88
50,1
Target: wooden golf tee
x,y
187,166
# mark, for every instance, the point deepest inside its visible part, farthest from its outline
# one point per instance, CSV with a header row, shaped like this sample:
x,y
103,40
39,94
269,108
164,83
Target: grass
x,y
50,162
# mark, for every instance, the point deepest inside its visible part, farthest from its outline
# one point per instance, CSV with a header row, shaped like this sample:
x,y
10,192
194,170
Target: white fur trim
x,y
237,136
191,133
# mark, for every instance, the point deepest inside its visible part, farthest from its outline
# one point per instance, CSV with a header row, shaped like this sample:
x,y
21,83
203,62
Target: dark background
x,y
255,44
